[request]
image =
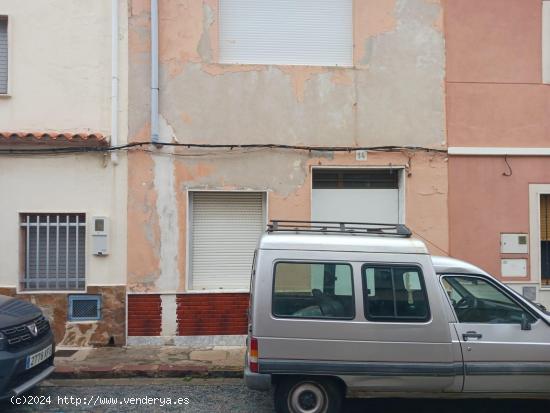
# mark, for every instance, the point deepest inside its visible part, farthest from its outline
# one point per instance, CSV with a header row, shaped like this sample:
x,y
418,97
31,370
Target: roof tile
x,y
54,137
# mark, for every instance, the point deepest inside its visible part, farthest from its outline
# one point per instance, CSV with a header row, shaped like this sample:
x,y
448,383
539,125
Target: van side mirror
x,y
525,324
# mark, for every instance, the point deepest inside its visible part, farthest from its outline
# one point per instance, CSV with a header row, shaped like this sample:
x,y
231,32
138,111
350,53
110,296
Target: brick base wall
x,y
212,314
144,315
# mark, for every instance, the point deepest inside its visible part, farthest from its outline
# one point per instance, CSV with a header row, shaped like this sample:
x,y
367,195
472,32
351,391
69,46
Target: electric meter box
x,y
514,244
100,236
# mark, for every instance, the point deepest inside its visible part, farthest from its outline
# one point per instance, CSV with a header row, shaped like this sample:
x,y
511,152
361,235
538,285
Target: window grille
x,y
54,246
84,307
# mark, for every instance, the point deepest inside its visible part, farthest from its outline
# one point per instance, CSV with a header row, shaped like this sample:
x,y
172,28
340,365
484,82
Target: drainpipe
x,y
154,72
114,79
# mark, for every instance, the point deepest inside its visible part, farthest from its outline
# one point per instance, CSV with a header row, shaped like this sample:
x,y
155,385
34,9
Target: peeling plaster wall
x,y
393,95
287,178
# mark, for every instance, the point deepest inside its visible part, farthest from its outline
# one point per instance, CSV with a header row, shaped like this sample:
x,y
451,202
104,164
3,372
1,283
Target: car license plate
x,y
37,358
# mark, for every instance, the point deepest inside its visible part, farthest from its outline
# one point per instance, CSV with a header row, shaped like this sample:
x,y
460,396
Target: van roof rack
x,y
335,227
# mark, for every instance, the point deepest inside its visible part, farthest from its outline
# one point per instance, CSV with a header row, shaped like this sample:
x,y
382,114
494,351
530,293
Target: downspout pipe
x,y
154,72
114,79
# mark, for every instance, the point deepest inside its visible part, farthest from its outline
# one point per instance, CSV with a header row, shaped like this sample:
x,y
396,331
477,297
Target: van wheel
x,y
307,395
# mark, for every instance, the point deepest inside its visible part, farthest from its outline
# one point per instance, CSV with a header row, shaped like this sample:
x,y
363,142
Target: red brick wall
x,y
144,315
212,314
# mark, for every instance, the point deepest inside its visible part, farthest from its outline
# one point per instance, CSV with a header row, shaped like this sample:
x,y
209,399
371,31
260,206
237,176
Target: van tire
x,y
301,394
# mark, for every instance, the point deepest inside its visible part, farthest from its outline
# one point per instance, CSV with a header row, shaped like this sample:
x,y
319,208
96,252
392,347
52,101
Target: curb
x,y
150,371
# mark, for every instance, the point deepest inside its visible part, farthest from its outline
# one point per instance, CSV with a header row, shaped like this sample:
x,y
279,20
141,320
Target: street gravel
x,y
220,395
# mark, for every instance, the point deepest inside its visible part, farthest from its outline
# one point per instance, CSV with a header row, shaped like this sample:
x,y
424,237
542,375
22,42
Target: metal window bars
x,y
335,227
54,251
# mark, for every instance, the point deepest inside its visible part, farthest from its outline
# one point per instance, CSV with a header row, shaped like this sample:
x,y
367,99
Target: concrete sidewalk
x,y
149,361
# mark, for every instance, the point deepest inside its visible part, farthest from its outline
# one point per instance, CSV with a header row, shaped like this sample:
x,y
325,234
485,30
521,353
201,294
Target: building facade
x,y
498,134
55,84
344,110
311,74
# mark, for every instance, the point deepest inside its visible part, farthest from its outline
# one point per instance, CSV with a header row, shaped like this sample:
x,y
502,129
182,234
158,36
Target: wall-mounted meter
x,y
514,244
100,236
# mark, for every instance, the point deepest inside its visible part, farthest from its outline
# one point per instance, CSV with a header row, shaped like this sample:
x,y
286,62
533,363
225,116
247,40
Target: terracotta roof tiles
x,y
54,137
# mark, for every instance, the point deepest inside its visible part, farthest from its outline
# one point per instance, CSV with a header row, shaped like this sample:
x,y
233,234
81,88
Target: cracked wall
x,y
393,95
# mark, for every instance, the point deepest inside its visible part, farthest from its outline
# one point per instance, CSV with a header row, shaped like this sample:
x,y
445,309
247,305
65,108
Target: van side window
x,y
313,290
394,294
475,300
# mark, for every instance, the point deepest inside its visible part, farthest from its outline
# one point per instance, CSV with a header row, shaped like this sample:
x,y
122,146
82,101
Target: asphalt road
x,y
219,395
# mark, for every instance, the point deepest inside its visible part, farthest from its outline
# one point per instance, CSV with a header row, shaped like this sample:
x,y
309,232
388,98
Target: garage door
x,y
370,195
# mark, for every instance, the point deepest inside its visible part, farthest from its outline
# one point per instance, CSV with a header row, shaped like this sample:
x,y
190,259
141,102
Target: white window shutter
x,y
225,230
287,32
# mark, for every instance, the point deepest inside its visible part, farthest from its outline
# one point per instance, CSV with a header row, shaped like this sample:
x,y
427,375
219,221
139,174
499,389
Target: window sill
x,y
83,321
215,291
5,95
22,292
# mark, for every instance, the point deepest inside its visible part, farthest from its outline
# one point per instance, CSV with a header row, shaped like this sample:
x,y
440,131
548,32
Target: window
x,y
355,178
313,290
475,300
545,238
54,251
394,294
3,55
225,229
287,32
85,307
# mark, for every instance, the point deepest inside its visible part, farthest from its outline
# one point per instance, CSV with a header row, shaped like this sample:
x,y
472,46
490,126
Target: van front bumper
x,y
257,381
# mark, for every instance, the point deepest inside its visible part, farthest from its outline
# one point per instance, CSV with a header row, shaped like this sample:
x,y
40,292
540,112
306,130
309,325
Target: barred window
x,y
54,251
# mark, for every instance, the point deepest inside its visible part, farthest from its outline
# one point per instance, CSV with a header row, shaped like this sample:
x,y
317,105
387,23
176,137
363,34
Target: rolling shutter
x,y
3,55
367,195
287,32
225,229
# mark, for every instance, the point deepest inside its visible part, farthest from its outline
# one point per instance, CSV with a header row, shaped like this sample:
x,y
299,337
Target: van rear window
x,y
313,290
394,293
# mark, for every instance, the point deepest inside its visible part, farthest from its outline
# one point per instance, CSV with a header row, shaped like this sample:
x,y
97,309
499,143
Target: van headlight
x,y
3,342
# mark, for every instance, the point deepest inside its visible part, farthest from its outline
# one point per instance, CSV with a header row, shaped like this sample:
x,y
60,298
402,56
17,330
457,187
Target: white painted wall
x,y
60,81
76,183
60,66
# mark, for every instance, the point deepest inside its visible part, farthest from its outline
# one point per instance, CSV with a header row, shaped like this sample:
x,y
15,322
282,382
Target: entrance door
x,y
505,348
367,195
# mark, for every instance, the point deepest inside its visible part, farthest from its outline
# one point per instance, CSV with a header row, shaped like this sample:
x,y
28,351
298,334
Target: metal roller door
x,y
368,195
225,228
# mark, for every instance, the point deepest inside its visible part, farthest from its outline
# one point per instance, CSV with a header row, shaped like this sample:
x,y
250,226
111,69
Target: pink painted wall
x,y
494,74
505,115
493,40
483,203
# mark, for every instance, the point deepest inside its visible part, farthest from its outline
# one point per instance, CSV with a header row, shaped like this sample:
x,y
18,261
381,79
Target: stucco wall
x,y
158,214
393,95
60,66
483,203
78,183
494,74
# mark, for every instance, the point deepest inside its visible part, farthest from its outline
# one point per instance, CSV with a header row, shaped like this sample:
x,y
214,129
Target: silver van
x,y
342,309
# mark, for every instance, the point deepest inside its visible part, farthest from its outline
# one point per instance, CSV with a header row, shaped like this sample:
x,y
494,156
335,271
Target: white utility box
x,y
513,267
100,236
514,244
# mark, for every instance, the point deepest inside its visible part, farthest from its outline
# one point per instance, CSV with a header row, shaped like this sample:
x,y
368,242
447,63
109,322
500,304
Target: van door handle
x,y
471,334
